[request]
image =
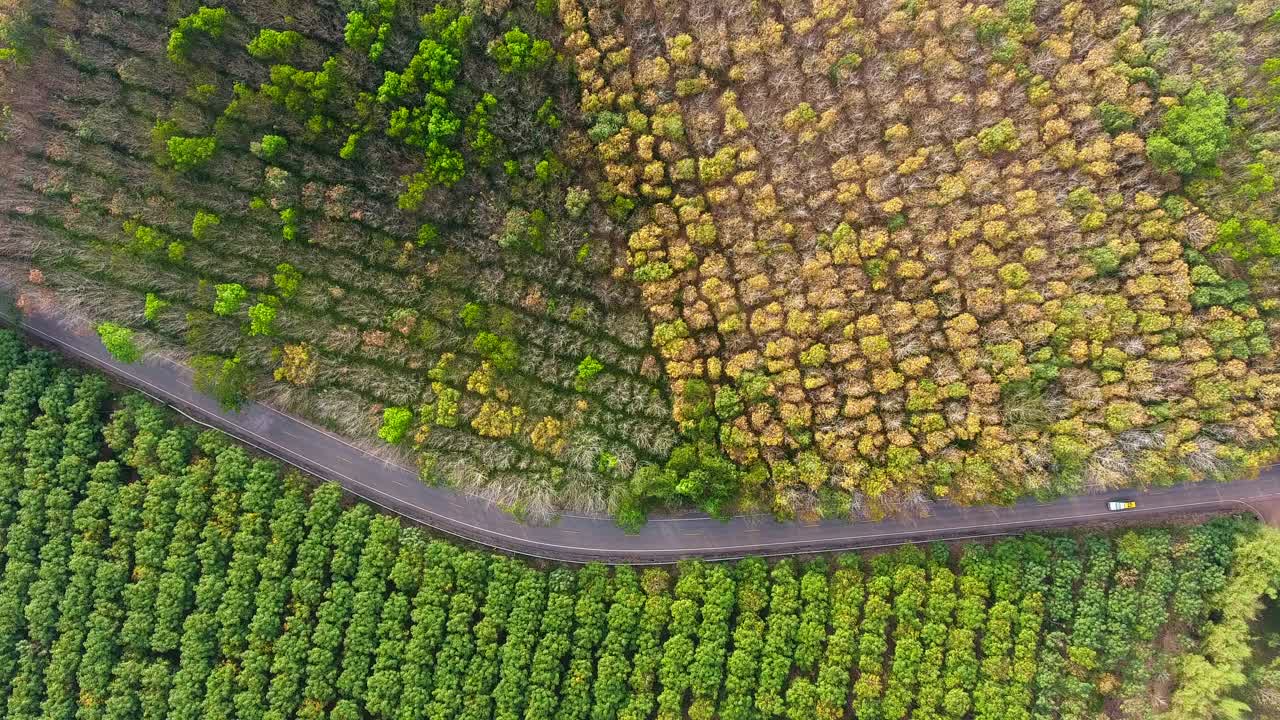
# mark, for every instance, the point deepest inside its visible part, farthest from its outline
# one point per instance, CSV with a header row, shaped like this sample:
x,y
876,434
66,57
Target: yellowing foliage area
x,y
920,250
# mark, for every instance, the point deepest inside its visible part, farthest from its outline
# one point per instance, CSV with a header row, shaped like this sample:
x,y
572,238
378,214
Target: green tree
x,y
274,45
502,352
999,137
224,379
201,223
1192,134
262,318
516,51
287,279
1114,118
395,423
204,21
152,307
230,297
1208,678
188,153
269,146
588,369
118,340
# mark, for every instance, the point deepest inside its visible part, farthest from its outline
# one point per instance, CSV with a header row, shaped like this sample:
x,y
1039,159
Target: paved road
x,y
578,538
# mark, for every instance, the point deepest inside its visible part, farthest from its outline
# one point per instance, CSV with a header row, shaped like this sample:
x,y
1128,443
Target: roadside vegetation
x,y
152,571
817,259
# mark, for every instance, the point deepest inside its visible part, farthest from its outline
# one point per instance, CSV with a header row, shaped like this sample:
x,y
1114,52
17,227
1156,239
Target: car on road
x,y
1121,505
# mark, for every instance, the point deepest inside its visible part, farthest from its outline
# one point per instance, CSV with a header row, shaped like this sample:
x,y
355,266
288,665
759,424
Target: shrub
x,y
230,297
428,235
348,150
1192,134
118,340
274,45
146,240
395,423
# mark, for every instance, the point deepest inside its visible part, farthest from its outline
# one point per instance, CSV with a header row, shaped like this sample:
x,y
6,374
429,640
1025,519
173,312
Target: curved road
x,y
581,538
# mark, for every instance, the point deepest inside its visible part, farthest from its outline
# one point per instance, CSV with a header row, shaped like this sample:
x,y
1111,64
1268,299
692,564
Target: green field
x,y
151,571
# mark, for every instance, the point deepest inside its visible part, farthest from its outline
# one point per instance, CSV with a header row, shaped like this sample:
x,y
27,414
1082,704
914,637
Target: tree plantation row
x,y
150,571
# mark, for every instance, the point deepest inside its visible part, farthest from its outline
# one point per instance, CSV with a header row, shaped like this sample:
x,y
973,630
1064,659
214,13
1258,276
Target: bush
x,y
1191,135
118,340
395,423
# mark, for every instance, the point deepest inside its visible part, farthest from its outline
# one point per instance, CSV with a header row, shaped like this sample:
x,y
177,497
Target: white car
x,y
1121,505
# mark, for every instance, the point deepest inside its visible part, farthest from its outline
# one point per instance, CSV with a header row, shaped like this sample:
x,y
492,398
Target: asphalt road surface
x,y
581,538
